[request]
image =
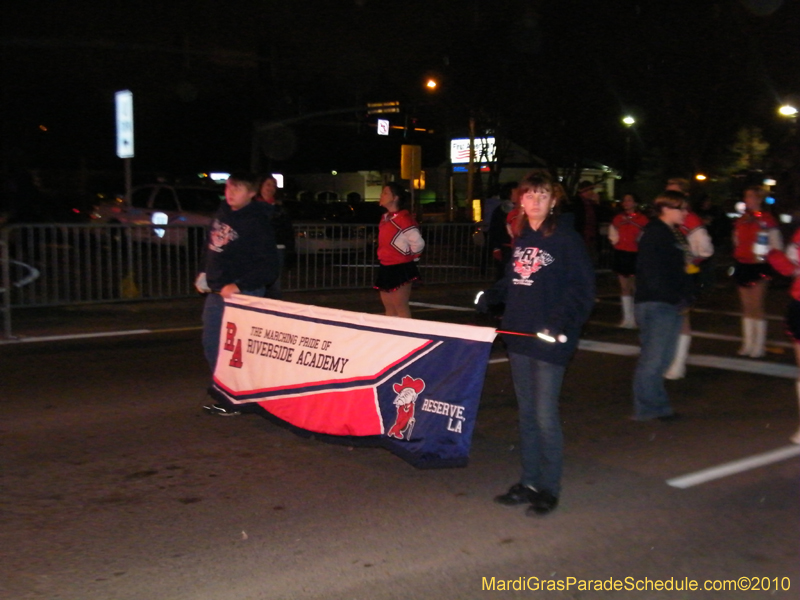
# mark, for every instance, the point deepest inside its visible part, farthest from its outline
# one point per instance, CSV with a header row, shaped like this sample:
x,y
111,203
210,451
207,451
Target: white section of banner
x,y
282,349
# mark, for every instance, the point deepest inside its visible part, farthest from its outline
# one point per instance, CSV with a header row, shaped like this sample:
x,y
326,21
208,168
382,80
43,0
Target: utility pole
x,y
471,167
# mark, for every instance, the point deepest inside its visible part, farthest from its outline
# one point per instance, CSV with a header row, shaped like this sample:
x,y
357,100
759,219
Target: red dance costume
x,y
399,239
744,235
629,228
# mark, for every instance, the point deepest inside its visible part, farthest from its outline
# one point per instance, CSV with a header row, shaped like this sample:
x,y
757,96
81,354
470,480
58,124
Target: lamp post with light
x,y
629,122
789,111
431,84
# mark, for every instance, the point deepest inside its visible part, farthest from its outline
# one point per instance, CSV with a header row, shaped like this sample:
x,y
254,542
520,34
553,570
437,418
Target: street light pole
x,y
629,122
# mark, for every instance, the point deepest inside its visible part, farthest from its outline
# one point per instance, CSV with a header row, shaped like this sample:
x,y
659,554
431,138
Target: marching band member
x,y
624,233
754,234
399,247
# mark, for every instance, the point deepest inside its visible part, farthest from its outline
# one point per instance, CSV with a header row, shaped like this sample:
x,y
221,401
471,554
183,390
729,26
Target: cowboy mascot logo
x,y
407,391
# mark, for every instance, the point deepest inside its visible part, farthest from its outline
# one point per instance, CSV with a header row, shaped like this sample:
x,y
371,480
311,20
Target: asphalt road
x,y
115,485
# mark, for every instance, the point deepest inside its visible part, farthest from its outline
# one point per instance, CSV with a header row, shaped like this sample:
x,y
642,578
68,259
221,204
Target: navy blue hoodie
x,y
551,285
241,248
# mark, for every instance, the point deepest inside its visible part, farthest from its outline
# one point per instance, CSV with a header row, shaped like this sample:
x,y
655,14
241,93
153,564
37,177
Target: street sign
x,y
124,104
383,127
376,108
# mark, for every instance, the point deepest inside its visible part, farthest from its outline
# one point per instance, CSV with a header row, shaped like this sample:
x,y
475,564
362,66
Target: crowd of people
x,y
545,245
548,287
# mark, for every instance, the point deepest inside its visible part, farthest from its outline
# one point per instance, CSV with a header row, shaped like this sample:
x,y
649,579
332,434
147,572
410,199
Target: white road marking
x,y
731,468
742,365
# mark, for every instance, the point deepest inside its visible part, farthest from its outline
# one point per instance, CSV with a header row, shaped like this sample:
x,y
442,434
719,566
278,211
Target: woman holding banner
x,y
551,292
399,246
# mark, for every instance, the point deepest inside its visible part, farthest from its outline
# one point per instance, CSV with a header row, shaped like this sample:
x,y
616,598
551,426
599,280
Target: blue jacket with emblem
x,y
551,286
241,248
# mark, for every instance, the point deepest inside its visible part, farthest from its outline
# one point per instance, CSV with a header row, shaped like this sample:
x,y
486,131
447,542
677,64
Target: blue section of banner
x,y
439,432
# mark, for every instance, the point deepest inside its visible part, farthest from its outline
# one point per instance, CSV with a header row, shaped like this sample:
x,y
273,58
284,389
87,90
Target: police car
x,y
163,204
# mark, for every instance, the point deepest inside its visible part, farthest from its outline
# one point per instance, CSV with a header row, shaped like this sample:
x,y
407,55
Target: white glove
x,y
201,284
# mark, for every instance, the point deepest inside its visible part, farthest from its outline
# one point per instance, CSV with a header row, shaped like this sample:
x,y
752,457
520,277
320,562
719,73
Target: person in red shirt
x,y
399,247
752,272
624,233
787,262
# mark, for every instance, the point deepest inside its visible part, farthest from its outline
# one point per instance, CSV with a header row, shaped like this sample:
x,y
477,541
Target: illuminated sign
x,y
484,150
124,105
383,127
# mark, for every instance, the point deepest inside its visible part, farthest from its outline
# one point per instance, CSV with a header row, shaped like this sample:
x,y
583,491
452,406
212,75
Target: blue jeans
x,y
537,385
659,329
212,323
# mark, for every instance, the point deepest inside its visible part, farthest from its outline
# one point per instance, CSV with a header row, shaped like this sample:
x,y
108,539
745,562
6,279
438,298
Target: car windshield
x,y
199,200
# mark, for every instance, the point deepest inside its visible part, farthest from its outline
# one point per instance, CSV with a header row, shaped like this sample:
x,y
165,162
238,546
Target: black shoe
x,y
517,494
220,411
543,504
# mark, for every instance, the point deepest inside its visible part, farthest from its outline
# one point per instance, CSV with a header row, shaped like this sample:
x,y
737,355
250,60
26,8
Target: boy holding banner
x,y
241,258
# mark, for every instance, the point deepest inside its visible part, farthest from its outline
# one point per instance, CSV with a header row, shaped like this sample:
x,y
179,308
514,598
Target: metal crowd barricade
x,y
102,263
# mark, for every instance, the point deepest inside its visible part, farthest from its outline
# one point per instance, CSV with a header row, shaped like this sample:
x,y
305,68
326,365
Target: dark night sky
x,y
555,76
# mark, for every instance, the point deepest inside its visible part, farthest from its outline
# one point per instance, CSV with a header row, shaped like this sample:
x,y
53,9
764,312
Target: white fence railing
x,y
81,264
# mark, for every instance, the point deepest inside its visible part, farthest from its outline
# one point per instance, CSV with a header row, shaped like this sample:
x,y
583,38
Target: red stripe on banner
x,y
351,412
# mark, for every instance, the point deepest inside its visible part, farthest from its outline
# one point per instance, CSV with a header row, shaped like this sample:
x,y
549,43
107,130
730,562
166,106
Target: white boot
x,y
628,320
759,338
677,370
747,337
796,437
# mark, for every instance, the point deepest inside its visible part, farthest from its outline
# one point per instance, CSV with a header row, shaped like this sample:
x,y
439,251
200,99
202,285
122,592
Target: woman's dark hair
x,y
535,181
632,195
399,192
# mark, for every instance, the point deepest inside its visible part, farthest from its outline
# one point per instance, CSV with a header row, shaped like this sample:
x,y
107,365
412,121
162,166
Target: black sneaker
x,y
220,411
517,494
542,505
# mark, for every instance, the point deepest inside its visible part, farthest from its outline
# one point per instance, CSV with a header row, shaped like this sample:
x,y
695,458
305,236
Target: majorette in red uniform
x,y
787,262
399,246
628,227
399,240
624,233
752,271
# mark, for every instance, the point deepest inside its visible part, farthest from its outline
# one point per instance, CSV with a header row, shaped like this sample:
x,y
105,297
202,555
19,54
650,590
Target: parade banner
x,y
411,386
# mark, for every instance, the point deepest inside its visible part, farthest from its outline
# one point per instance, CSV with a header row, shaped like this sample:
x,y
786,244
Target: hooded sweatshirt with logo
x,y
241,248
550,286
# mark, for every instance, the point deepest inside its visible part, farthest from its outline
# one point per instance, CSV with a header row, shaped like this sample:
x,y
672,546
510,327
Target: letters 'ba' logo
x,y
528,261
233,345
407,391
